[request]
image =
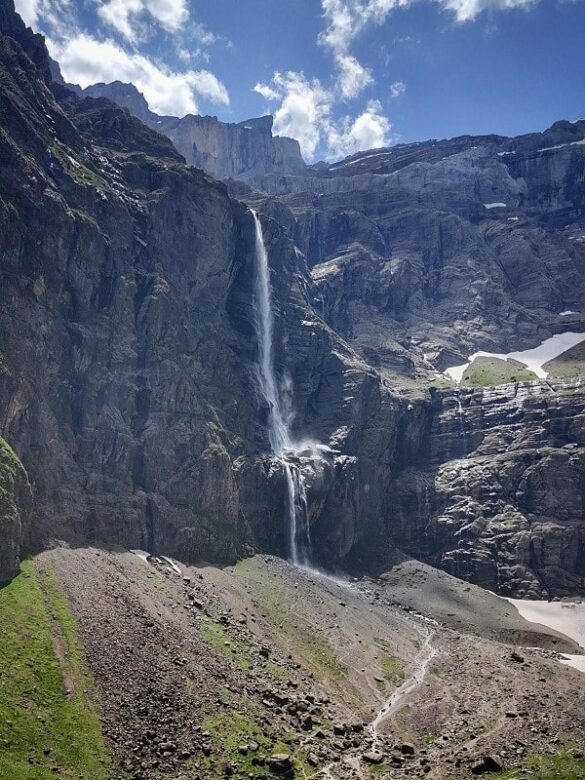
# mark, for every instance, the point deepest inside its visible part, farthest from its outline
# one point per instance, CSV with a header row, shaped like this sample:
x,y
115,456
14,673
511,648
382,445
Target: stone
x,y
486,764
373,757
280,764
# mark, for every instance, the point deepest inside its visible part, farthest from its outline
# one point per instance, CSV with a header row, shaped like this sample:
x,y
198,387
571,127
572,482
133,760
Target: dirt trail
x,y
395,702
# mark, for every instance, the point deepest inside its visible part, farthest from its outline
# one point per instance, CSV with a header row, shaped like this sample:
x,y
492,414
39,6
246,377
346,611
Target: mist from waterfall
x,y
278,420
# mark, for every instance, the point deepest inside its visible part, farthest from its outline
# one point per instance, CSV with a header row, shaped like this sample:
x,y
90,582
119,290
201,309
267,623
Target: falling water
x,y
278,430
465,466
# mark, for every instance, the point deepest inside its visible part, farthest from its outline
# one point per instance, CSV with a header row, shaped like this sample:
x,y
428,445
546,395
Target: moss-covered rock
x,y
15,502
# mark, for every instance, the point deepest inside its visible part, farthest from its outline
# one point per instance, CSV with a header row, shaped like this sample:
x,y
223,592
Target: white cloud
x,y
303,112
267,92
345,20
397,88
467,10
353,77
369,130
124,15
85,60
29,10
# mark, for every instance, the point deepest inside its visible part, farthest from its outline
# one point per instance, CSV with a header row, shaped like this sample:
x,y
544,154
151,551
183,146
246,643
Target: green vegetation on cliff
x,y
9,465
490,371
48,726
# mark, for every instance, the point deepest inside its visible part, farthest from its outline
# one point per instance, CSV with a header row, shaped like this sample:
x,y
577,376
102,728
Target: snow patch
x,y
495,205
365,157
144,556
567,313
172,564
562,146
533,359
567,618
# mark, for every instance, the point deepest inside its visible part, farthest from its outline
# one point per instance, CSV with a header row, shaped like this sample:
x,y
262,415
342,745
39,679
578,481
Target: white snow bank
x,y
171,563
533,359
567,618
561,146
567,313
495,205
144,556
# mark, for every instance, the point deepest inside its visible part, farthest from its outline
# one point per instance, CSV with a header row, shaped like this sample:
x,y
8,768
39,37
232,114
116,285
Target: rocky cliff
x,y
126,320
244,150
15,512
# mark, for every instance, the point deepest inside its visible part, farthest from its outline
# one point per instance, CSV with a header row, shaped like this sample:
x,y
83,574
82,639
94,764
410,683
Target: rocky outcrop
x,y
498,498
245,150
15,512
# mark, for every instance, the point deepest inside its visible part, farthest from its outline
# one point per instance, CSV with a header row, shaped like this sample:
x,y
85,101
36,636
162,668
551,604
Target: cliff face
x,y
126,317
15,512
498,497
123,388
245,151
420,256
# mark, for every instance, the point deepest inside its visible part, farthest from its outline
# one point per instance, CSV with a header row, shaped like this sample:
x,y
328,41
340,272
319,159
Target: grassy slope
x,y
42,724
484,372
570,363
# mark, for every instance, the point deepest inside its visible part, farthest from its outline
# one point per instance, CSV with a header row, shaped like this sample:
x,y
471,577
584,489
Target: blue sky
x,y
339,75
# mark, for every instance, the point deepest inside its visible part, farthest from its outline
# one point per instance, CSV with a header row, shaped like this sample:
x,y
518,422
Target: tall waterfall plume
x,y
281,443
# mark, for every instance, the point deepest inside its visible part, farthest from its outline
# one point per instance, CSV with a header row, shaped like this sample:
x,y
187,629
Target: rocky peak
x,y
125,95
244,150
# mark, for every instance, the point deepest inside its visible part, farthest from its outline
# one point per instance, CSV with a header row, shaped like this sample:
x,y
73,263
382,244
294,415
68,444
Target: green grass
x,y
9,465
231,732
36,713
570,363
485,372
217,636
393,669
312,651
560,767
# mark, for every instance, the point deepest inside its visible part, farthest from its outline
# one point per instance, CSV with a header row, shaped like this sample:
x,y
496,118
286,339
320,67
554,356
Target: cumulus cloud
x,y
29,10
304,110
345,19
267,92
84,60
123,15
397,88
353,77
467,10
369,130
305,113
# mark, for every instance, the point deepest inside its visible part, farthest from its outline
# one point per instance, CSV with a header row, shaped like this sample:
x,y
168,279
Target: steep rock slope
x,y
126,319
15,512
244,150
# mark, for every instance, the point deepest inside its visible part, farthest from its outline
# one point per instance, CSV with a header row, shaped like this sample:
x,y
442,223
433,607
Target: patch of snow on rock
x,y
567,618
533,359
495,205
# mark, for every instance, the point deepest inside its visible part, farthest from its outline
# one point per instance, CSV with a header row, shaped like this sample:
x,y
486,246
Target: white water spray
x,y
287,452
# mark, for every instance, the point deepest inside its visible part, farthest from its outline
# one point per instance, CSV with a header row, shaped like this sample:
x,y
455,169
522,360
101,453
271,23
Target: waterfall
x,y
465,466
279,436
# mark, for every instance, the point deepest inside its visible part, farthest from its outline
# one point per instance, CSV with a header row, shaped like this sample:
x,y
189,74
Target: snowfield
x,y
533,359
567,618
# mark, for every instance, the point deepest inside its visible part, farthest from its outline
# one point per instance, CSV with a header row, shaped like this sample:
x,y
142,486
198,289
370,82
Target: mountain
x,y
255,482
137,414
244,151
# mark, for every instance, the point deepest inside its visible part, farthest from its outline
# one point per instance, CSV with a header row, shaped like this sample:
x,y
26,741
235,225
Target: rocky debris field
x,y
263,670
